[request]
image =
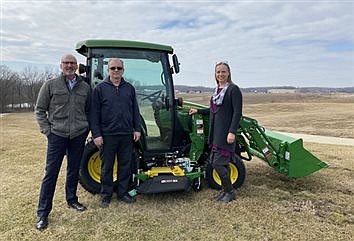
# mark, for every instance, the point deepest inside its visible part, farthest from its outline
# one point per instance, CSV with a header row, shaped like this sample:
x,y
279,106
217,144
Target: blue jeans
x,y
56,149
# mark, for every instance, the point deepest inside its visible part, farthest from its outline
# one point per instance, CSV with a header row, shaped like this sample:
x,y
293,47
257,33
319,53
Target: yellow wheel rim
x,y
94,167
233,174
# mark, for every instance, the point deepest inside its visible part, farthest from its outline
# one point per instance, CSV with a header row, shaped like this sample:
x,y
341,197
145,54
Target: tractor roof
x,y
82,46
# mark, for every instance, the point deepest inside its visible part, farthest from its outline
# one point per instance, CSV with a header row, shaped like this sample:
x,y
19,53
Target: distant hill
x,y
187,89
21,65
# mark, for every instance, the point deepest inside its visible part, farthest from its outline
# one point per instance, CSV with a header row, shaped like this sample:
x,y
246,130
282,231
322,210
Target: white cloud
x,y
266,43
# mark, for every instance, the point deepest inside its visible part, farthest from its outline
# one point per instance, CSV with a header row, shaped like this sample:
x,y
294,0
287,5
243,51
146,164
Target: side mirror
x,y
175,63
82,68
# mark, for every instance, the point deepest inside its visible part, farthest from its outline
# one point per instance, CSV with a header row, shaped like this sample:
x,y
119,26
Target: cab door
x,y
153,94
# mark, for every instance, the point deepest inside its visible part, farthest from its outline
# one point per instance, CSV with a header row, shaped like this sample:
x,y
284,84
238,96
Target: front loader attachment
x,y
298,161
284,154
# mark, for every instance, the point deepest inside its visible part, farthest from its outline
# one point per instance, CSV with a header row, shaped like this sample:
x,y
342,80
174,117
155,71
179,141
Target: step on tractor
x,y
172,154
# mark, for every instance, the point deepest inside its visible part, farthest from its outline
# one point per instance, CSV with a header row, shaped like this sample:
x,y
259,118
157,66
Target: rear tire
x,y
237,174
90,169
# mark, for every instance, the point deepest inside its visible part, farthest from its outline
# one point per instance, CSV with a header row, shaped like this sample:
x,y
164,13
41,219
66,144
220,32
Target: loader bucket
x,y
294,159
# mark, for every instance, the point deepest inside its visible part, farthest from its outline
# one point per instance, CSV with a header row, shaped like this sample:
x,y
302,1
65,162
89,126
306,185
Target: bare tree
x,y
48,73
31,79
8,81
20,90
17,93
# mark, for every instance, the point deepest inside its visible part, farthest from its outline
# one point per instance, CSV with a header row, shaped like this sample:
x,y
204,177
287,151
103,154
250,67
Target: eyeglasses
x,y
115,68
67,63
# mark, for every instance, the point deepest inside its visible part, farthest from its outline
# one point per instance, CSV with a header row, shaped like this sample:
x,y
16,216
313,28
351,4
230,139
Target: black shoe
x,y
78,206
42,223
104,203
127,199
228,197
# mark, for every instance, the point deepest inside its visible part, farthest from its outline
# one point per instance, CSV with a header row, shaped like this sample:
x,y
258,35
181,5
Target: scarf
x,y
219,97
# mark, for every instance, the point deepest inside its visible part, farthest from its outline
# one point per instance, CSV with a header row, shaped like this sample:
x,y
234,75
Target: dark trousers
x,y
122,147
56,149
221,164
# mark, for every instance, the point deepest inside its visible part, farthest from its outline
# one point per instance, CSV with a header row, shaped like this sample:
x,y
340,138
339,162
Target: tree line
x,y
19,90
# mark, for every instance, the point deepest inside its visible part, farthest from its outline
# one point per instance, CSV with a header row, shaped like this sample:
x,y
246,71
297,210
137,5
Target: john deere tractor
x,y
172,154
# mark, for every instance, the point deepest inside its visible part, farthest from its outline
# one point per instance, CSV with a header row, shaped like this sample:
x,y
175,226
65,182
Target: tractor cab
x,y
147,67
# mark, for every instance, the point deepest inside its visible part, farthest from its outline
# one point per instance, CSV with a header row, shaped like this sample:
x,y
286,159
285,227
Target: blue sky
x,y
267,43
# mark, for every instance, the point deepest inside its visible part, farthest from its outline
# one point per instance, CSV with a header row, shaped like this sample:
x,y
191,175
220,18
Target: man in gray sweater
x,y
61,112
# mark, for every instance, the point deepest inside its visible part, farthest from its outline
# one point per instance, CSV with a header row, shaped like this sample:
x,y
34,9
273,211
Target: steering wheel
x,y
153,97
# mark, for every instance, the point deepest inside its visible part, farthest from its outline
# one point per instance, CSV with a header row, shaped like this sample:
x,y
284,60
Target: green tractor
x,y
172,154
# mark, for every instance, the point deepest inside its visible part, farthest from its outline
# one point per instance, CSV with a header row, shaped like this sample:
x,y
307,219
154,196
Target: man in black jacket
x,y
115,124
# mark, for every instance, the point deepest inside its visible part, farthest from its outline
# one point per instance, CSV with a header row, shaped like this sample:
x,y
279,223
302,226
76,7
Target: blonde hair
x,y
228,68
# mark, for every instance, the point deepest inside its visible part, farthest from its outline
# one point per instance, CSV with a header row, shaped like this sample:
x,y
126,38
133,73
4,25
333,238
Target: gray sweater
x,y
62,111
226,120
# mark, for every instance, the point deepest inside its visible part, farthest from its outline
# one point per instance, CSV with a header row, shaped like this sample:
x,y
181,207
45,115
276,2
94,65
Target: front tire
x,y
237,174
90,169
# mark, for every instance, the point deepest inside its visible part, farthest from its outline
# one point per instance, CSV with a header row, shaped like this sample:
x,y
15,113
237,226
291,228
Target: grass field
x,y
269,206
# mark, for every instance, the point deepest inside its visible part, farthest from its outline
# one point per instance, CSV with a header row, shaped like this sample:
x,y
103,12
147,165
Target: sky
x,y
266,43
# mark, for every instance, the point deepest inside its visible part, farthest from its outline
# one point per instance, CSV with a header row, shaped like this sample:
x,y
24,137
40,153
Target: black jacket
x,y
114,110
226,119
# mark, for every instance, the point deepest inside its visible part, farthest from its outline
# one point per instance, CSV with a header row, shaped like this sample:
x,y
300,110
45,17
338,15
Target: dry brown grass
x,y
269,206
317,114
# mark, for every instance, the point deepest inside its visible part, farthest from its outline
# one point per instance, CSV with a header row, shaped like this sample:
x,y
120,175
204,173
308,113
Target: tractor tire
x,y
237,174
90,169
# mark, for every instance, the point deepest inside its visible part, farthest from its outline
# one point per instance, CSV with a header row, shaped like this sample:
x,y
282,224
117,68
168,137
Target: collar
x,y
108,80
72,80
75,79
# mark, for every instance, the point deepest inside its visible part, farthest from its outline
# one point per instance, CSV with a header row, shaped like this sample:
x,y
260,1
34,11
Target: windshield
x,y
148,71
142,67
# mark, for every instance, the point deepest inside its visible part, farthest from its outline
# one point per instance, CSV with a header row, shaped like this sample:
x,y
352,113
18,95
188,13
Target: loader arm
x,y
258,142
283,153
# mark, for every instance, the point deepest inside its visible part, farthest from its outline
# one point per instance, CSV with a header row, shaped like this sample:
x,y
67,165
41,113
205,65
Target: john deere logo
x,y
169,181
